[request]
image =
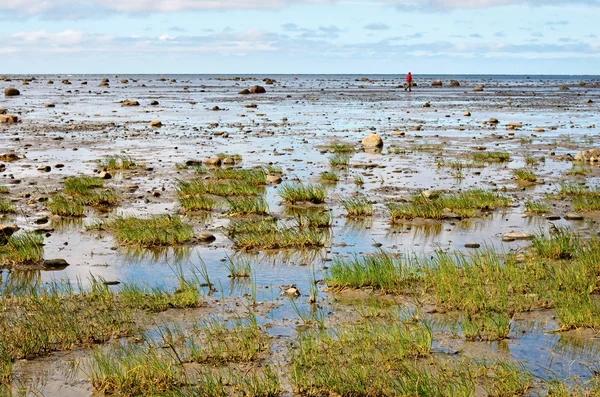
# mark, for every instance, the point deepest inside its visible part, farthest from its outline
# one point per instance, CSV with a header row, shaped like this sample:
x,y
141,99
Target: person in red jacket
x,y
408,85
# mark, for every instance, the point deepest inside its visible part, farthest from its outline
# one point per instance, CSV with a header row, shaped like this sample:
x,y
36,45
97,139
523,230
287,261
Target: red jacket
x,y
409,77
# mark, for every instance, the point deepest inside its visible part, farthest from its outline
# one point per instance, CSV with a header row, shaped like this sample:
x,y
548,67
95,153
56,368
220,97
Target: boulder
x,y
589,101
155,123
273,179
55,263
154,103
467,114
512,236
6,231
372,140
128,102
573,216
257,89
437,83
3,111
49,105
11,92
454,83
478,88
592,155
104,175
427,105
8,118
244,92
9,157
206,237
214,161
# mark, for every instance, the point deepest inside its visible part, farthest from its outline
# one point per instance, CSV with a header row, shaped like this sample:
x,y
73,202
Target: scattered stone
x,y
104,175
55,263
257,89
572,216
372,140
49,105
41,220
129,102
592,155
154,103
59,165
291,291
244,92
193,163
472,245
437,83
215,108
589,101
44,168
478,88
8,118
512,236
273,179
156,123
493,121
228,161
552,217
454,83
206,237
9,157
427,105
11,92
563,88
251,106
467,114
539,130
212,161
6,231
3,111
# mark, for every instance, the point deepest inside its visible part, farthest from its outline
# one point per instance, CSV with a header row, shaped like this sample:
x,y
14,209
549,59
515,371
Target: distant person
x,y
408,85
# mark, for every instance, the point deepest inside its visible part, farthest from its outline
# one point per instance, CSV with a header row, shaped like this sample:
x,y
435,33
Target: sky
x,y
300,36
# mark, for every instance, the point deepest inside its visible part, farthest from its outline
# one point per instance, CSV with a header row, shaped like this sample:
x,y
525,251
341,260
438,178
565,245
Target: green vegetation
x,y
160,230
254,177
80,192
327,176
268,235
295,193
358,180
466,204
6,207
491,156
357,206
340,160
583,197
121,163
525,175
23,248
241,206
3,189
202,202
537,207
238,268
63,205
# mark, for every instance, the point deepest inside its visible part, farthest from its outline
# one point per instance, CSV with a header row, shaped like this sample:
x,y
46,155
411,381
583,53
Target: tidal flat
x,y
331,236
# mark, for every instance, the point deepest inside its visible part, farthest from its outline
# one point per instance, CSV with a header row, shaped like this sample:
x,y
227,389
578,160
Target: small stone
x,y
572,216
214,161
56,263
467,114
206,237
273,179
44,168
104,175
512,236
472,245
155,123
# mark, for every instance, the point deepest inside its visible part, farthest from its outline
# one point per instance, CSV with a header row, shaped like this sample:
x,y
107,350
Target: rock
x,y
228,161
49,105
244,92
437,83
104,175
55,263
124,81
65,81
193,163
493,121
572,216
372,140
514,126
512,236
6,231
212,161
592,155
563,88
273,179
467,114
44,168
589,101
257,89
472,245
291,291
8,118
539,130
59,165
454,83
251,106
427,105
154,103
9,157
11,92
552,217
429,194
215,108
206,237
41,220
156,123
478,88
129,102
3,111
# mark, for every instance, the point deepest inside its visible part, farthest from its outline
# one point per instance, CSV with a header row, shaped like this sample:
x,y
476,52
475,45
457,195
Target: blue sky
x,y
300,36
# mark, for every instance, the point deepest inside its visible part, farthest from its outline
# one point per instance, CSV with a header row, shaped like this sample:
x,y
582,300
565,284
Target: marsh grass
x,y
62,205
253,177
238,267
357,206
578,171
280,239
561,244
295,193
6,207
341,147
491,156
120,163
271,169
241,206
537,207
315,219
508,379
202,202
4,189
466,204
159,230
525,175
225,188
358,180
587,203
531,161
329,177
81,184
235,156
23,248
340,160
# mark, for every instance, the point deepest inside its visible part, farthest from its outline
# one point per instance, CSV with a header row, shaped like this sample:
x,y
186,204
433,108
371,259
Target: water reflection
x,y
139,255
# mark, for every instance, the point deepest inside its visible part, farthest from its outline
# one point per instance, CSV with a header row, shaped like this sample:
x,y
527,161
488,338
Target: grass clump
x,y
357,206
3,189
202,202
241,206
266,234
578,171
537,207
491,156
315,219
415,209
160,230
340,160
254,177
587,203
341,147
330,177
294,193
79,185
238,268
63,205
525,175
24,248
6,207
227,188
121,163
